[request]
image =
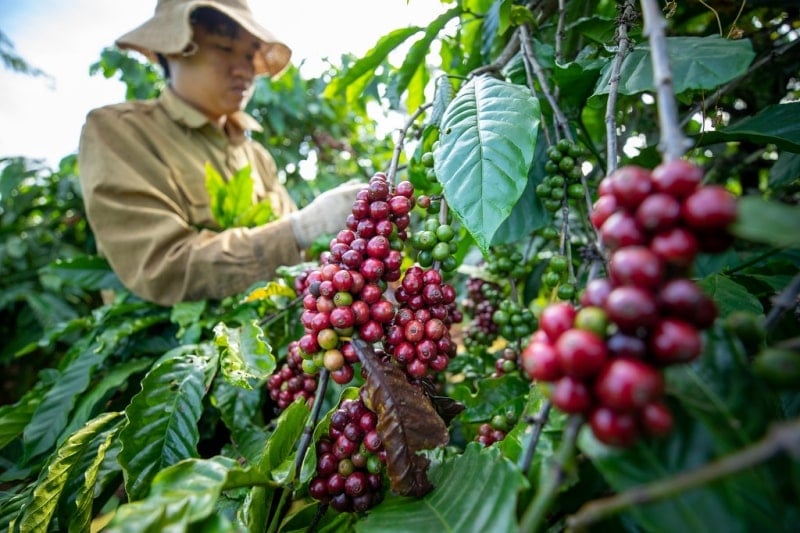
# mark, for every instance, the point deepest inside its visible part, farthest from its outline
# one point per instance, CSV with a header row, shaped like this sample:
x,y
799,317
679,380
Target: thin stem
x,y
623,44
561,119
308,430
782,438
673,143
785,300
560,33
398,148
537,425
536,511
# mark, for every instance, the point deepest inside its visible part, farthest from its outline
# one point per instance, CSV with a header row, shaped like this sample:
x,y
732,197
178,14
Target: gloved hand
x,y
327,213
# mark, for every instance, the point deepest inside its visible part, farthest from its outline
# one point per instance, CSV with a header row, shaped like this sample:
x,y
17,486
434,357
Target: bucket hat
x,y
169,31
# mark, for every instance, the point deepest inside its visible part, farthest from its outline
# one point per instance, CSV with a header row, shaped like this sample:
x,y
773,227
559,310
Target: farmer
x,y
142,163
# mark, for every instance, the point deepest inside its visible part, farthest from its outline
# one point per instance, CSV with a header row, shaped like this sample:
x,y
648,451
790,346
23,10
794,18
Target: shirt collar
x,y
180,111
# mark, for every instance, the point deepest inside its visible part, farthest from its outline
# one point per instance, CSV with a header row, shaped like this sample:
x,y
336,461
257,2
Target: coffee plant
x,y
566,297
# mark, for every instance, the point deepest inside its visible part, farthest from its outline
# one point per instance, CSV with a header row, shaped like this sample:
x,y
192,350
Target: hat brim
x,y
169,31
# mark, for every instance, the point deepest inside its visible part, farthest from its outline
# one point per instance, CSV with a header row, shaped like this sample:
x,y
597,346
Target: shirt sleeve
x,y
136,214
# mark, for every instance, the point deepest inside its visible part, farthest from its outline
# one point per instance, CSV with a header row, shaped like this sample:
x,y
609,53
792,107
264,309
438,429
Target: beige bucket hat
x,y
169,32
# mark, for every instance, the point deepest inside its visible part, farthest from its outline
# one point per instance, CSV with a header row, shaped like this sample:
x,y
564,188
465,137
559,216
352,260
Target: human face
x,y
218,78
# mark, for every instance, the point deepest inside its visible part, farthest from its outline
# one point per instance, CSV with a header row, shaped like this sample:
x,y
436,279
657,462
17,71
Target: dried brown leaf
x,y
407,422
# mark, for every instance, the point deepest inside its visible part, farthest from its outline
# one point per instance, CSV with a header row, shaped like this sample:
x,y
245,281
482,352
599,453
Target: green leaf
x,y
80,520
486,146
239,409
39,512
14,418
414,62
767,222
785,170
245,355
181,494
162,418
729,295
697,63
372,60
215,185
777,124
451,506
493,396
91,273
239,194
52,414
281,445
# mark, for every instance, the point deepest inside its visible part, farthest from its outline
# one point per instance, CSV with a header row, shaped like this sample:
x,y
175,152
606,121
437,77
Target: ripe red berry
x,y
636,265
677,178
658,212
621,229
596,292
708,208
632,308
683,298
675,341
677,246
581,353
603,207
557,318
540,361
613,428
630,185
571,395
656,419
628,384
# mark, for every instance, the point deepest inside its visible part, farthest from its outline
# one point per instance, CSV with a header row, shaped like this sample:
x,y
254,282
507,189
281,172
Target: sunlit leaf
x,y
245,355
475,491
486,145
767,222
696,63
162,418
49,489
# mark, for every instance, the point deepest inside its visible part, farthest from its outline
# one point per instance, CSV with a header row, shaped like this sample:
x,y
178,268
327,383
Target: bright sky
x,y
42,119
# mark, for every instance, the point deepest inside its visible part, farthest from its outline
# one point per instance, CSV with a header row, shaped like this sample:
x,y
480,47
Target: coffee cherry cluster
x,y
605,358
496,429
435,242
506,362
291,382
556,277
563,175
419,337
346,295
514,321
351,460
666,210
481,301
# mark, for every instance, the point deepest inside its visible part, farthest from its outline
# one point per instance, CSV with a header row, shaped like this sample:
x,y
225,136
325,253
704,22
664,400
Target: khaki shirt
x,y
142,171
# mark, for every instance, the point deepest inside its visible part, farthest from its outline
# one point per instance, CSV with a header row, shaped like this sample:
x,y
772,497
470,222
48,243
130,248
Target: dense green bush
x,y
130,416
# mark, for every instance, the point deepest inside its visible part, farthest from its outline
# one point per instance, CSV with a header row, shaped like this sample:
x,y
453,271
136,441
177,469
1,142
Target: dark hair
x,y
211,20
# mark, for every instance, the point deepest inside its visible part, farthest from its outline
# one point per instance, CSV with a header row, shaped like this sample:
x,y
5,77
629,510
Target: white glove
x,y
326,214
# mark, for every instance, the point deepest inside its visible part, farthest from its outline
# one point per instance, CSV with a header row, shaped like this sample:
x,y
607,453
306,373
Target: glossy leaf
x,y
239,410
81,518
49,489
184,493
414,62
281,445
493,396
777,124
245,355
488,135
768,222
407,422
696,63
729,296
490,505
87,272
162,418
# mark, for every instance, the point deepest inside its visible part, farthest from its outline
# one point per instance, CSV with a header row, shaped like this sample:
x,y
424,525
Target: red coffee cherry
x,y
614,428
710,208
628,384
677,178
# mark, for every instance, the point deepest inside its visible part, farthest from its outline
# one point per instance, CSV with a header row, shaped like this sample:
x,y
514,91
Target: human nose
x,y
244,66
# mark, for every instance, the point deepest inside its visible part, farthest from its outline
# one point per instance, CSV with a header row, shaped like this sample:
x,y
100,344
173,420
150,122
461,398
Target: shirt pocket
x,y
191,186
